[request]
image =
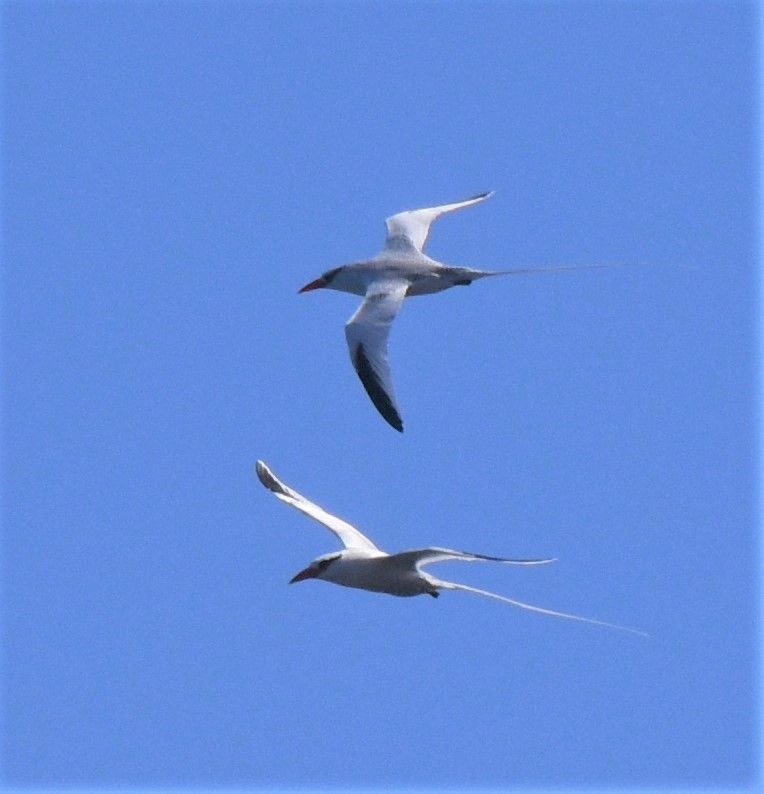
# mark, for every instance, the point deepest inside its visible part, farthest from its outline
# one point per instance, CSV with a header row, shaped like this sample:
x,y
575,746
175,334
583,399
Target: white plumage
x,y
363,565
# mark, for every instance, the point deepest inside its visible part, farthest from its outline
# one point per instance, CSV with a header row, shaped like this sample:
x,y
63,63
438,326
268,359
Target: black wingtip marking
x,y
480,195
267,478
374,389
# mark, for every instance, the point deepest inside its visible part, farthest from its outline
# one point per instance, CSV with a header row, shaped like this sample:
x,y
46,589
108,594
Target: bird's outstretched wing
x,y
420,557
455,586
350,537
413,226
367,332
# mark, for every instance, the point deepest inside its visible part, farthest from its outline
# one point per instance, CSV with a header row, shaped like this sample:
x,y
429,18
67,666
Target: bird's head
x,y
317,569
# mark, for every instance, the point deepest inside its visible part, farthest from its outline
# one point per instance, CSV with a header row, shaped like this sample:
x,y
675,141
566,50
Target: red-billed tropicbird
x,y
400,270
363,565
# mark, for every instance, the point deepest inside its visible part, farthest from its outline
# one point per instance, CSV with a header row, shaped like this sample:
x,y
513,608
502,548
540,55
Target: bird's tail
x,y
553,269
468,275
454,586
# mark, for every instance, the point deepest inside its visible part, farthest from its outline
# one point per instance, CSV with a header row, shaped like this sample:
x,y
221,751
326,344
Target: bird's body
x,y
399,271
420,274
363,565
376,571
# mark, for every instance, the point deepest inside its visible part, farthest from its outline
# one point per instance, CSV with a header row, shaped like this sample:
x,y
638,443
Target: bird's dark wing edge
x,y
373,385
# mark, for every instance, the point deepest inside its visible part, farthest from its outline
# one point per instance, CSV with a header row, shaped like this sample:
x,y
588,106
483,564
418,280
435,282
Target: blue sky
x,y
172,174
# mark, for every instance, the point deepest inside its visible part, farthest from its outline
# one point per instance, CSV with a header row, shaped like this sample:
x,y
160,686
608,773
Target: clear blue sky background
x,y
172,174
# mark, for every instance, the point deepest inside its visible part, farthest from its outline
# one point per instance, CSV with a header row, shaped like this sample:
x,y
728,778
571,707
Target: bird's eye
x,y
325,563
330,274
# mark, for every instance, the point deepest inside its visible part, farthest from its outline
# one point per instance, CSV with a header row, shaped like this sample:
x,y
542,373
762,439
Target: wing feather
x,y
414,225
367,332
350,537
420,557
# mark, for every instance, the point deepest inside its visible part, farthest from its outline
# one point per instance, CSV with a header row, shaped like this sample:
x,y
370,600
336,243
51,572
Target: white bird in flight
x,y
363,565
400,270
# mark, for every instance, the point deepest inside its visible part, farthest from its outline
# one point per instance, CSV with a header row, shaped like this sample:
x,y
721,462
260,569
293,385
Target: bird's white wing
x,y
418,557
454,586
414,225
351,537
366,333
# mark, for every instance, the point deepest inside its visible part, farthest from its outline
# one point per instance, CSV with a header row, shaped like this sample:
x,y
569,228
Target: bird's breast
x,y
379,575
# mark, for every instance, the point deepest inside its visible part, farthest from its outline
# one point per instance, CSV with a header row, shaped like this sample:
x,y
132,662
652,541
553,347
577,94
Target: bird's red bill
x,y
317,284
308,573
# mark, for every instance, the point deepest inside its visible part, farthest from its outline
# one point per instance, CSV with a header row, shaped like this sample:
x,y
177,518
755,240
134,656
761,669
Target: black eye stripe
x,y
323,564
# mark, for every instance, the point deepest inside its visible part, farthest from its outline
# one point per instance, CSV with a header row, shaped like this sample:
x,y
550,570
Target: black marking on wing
x,y
481,556
269,481
374,389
